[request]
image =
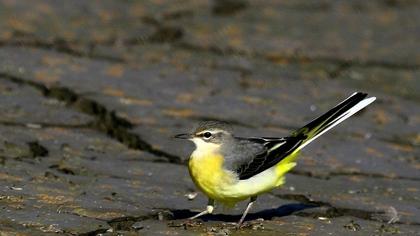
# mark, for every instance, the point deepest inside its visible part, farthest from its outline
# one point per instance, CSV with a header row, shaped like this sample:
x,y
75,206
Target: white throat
x,y
203,148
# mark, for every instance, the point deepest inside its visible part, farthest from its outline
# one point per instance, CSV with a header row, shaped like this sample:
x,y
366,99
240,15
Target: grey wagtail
x,y
229,169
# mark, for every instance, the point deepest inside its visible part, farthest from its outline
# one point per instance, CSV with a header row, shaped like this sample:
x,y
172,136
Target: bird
x,y
229,169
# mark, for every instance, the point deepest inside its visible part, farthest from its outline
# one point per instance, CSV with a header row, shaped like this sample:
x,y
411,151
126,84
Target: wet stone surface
x,y
91,94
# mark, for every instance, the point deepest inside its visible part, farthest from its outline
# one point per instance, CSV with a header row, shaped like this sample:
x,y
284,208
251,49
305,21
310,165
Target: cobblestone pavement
x,y
91,93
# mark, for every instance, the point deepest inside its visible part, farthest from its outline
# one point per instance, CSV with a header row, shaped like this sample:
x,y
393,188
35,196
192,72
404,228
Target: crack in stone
x,y
163,34
105,121
126,223
63,46
173,35
95,232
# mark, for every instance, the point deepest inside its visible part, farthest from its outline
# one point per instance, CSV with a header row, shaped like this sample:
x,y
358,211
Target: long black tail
x,y
356,102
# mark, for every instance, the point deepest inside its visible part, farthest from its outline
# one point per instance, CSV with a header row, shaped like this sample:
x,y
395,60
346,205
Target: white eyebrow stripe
x,y
213,131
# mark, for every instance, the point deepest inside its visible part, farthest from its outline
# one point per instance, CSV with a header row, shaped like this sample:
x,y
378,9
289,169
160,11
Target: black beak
x,y
183,136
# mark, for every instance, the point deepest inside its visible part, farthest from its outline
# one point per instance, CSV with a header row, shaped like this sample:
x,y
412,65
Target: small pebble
x,y
33,126
191,196
16,188
258,226
137,226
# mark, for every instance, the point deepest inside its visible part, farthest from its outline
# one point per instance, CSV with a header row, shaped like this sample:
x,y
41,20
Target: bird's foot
x,y
238,226
256,224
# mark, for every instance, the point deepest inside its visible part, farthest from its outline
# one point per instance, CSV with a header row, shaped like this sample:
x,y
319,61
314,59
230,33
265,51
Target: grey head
x,y
209,136
216,132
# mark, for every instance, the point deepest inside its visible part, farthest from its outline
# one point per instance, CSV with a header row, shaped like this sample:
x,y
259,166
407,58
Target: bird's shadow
x,y
268,214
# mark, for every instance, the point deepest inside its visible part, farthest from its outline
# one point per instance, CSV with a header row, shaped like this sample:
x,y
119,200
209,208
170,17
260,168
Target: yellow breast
x,y
207,173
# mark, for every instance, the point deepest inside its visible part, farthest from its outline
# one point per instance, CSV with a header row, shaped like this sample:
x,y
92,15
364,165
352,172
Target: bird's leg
x,y
248,207
209,210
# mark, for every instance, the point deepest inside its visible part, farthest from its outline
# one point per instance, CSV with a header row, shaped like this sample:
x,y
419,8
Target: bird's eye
x,y
207,135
